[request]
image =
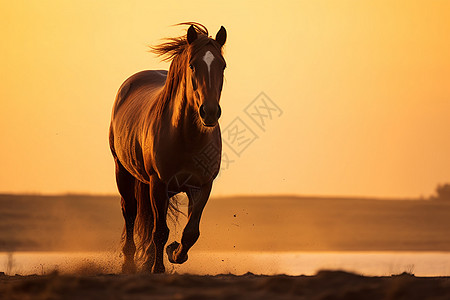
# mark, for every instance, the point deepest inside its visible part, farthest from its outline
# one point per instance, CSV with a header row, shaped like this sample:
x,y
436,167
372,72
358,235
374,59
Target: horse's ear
x,y
221,36
191,34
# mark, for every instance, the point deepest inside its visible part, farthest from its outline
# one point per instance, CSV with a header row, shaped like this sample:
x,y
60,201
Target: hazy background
x,y
364,87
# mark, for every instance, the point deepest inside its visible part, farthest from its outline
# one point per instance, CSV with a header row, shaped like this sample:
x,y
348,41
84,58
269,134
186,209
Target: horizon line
x,y
281,195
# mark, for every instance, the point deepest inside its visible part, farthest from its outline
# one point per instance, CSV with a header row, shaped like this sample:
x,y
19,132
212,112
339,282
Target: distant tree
x,y
443,192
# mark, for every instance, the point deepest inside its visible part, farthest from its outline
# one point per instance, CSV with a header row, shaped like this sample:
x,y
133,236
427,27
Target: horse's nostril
x,y
202,111
219,111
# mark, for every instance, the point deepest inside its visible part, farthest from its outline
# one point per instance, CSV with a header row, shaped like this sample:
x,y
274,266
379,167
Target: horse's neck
x,y
183,117
180,111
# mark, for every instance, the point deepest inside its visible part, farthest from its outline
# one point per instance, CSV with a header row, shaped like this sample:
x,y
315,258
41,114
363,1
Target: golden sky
x,y
364,87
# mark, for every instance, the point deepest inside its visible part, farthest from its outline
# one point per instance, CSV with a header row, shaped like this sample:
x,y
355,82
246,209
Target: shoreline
x,y
424,264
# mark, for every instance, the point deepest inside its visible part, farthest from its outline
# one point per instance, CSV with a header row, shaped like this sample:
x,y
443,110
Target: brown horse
x,y
161,124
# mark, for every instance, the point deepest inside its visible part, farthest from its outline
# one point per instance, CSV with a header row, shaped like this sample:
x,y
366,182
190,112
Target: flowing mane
x,y
175,46
174,49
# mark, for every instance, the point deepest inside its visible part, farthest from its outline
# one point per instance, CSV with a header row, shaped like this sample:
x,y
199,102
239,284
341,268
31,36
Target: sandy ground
x,y
275,223
325,285
92,223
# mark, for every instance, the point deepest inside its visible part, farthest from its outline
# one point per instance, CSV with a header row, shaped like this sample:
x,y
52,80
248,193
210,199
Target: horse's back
x,y
134,99
142,82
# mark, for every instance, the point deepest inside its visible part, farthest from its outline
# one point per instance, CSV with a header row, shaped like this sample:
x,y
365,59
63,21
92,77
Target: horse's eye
x,y
191,66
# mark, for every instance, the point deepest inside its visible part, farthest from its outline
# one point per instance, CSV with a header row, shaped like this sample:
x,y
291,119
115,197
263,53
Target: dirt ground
x,y
94,223
257,223
324,285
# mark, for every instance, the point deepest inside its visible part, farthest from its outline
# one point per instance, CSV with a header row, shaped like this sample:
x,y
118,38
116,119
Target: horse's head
x,y
205,74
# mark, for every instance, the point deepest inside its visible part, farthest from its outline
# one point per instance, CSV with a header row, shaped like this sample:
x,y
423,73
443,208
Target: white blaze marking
x,y
208,58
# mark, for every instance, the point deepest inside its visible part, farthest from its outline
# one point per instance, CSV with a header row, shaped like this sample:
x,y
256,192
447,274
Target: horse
x,y
162,125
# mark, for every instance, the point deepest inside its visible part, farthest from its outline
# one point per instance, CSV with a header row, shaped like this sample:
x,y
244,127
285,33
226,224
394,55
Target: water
x,y
269,263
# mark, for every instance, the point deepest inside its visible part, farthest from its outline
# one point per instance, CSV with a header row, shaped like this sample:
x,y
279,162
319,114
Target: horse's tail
x,y
143,226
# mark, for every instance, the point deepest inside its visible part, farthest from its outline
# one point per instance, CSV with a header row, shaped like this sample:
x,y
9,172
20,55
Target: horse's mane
x,y
173,49
175,46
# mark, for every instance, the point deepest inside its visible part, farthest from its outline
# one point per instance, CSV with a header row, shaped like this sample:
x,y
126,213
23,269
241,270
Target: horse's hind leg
x,y
126,186
178,253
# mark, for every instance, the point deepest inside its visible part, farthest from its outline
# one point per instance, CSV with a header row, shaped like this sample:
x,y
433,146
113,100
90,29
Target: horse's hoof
x,y
170,250
128,268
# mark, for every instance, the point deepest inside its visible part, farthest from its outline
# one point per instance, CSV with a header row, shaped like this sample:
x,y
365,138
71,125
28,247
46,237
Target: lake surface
x,y
269,263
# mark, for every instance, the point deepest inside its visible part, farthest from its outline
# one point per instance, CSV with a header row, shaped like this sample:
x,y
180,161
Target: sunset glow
x,y
363,86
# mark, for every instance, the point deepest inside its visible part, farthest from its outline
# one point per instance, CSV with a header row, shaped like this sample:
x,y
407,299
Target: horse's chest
x,y
200,166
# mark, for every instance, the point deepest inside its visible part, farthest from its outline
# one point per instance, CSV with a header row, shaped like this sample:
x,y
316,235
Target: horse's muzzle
x,y
210,114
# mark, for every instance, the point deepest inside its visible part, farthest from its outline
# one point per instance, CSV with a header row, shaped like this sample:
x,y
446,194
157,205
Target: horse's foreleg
x,y
159,202
178,253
